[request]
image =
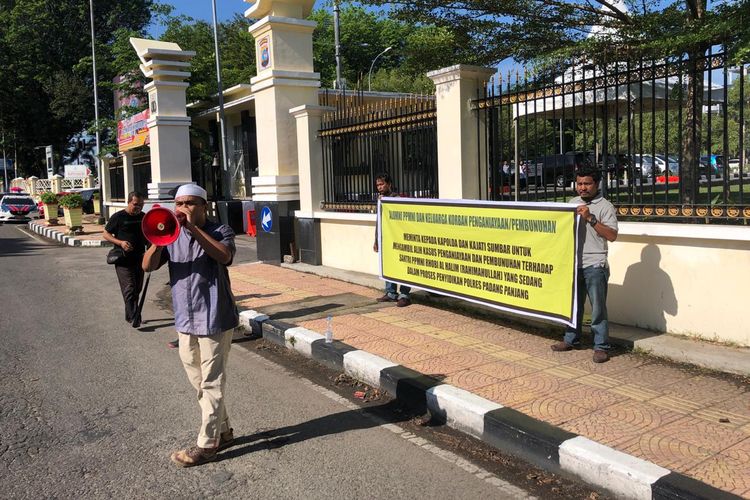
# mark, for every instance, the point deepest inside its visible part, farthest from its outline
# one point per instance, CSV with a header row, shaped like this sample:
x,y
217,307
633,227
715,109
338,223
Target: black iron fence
x,y
668,136
361,139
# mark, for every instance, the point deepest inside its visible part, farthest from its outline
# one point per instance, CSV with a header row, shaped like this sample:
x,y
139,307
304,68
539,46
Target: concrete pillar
x,y
168,65
458,139
31,181
56,183
309,155
285,80
311,187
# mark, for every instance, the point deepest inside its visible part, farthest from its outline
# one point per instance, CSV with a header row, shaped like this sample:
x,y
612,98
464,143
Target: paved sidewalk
x,y
681,418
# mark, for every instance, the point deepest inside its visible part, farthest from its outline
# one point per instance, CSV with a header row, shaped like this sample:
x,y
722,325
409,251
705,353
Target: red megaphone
x,y
160,226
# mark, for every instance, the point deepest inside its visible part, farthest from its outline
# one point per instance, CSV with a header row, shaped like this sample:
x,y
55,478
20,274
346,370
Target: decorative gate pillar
x,y
168,66
285,80
458,138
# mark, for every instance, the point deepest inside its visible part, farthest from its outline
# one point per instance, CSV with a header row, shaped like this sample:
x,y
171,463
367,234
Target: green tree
x,y
416,49
237,53
46,87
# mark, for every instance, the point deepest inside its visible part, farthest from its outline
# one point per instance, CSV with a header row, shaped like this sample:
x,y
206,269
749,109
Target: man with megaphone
x,y
204,309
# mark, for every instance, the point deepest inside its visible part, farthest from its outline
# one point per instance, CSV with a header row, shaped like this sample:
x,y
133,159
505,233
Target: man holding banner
x,y
384,185
599,226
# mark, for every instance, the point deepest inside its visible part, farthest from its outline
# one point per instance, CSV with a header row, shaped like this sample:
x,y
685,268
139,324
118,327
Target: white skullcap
x,y
191,190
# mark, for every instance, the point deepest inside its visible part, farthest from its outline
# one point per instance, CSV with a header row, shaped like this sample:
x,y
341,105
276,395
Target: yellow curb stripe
x,y
537,363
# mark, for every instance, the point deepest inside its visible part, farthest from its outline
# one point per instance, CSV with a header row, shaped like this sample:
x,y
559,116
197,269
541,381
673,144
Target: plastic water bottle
x,y
329,330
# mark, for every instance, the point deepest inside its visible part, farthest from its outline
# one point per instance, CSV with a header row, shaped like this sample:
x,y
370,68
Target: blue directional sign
x,y
266,219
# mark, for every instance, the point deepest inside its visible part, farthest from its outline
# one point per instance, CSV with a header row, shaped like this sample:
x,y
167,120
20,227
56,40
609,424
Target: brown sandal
x,y
193,456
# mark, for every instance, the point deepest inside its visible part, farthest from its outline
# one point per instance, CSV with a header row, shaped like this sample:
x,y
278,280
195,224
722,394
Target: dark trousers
x,y
130,277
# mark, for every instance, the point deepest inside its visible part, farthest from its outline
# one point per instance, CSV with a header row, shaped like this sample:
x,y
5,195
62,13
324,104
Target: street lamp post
x,y
226,181
369,74
339,82
96,116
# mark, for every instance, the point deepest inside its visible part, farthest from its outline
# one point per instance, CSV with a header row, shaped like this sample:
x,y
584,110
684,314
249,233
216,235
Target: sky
x,y
201,10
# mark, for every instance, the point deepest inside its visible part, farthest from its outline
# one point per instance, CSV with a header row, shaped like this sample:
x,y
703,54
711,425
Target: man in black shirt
x,y
124,230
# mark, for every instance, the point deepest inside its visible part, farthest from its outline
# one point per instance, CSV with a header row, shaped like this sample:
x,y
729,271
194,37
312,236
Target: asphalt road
x,y
92,408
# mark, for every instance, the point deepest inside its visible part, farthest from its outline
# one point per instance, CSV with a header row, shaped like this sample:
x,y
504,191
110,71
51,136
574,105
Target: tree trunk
x,y
692,129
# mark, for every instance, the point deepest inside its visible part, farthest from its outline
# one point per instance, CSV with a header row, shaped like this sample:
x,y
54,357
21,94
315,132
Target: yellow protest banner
x,y
518,257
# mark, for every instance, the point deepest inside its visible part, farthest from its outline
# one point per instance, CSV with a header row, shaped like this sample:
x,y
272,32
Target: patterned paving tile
x,y
705,390
470,380
509,355
652,375
603,428
411,358
485,347
409,339
553,410
358,339
589,397
668,452
420,328
714,437
521,390
739,404
635,392
438,347
503,371
538,364
436,367
724,472
442,334
462,340
466,358
382,347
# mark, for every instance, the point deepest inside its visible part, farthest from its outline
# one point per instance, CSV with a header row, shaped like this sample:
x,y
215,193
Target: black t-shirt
x,y
127,227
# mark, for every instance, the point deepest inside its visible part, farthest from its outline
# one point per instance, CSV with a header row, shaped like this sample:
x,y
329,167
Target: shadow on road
x,y
362,418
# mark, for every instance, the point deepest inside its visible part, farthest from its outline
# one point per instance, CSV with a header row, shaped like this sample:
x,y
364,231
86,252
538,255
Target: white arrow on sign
x,y
266,219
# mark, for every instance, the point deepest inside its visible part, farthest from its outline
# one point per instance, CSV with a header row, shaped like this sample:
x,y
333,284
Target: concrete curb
x,y
72,241
544,445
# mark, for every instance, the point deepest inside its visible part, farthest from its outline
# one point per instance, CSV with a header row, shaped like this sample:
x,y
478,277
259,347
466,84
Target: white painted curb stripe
x,y
623,474
303,339
366,367
250,316
461,409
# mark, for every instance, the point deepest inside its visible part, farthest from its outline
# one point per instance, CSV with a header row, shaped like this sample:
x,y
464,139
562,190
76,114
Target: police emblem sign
x,y
264,52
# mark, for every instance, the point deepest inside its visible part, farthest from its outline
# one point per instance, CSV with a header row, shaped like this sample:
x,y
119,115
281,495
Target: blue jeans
x,y
592,281
390,290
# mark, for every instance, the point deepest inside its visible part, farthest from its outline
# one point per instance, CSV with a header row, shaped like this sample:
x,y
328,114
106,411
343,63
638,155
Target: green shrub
x,y
49,198
71,200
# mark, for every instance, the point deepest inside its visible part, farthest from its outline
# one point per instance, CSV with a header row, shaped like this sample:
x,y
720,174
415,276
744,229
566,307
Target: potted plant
x,y
49,200
72,204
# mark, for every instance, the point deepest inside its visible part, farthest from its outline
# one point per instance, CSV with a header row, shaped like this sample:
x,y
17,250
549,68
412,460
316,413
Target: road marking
x,y
31,235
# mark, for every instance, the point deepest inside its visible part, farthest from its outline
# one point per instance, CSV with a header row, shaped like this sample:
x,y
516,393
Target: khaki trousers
x,y
205,361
